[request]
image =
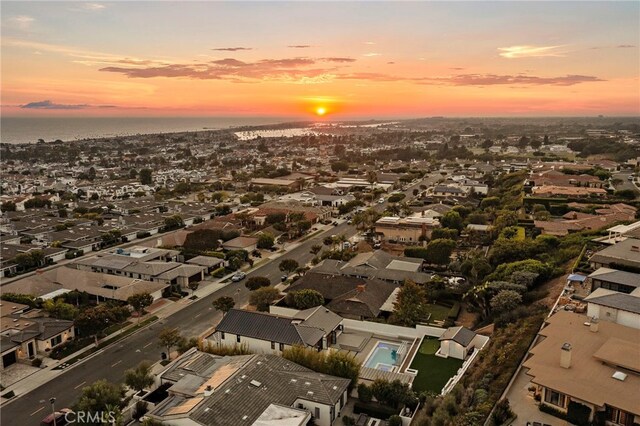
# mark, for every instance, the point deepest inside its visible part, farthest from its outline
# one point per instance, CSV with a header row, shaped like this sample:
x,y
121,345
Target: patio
x,y
523,404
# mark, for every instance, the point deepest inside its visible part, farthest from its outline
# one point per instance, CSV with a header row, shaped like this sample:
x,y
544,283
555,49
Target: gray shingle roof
x,y
459,334
623,301
281,382
268,327
617,277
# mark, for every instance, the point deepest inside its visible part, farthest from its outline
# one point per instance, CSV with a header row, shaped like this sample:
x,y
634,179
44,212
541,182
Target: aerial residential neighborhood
x,y
421,275
331,213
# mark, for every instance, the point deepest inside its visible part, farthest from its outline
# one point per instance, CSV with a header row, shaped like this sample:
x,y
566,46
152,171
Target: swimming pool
x,y
383,357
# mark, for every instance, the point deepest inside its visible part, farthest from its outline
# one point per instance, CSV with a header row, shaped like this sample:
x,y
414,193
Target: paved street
x,y
194,319
626,182
111,363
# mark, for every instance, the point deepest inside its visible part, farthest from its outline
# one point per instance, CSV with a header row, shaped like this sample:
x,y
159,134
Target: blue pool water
x,y
383,357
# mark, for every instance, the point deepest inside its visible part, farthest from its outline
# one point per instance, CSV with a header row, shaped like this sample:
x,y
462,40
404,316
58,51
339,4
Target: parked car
x,y
349,222
238,276
283,278
256,253
381,201
59,418
377,245
335,223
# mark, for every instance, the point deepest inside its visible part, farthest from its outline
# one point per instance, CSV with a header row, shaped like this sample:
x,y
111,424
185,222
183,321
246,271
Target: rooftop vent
x,y
245,417
255,383
619,375
294,380
307,383
309,392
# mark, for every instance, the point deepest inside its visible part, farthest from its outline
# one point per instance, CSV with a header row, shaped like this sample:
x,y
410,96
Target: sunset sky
x,y
354,60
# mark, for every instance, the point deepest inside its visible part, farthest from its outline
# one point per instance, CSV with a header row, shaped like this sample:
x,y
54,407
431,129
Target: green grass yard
x,y
438,312
433,372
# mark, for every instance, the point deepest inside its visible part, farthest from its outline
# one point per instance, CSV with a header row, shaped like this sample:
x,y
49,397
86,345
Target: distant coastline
x,y
17,130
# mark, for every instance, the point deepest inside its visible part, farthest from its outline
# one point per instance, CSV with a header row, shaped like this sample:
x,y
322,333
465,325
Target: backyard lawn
x,y
438,312
433,372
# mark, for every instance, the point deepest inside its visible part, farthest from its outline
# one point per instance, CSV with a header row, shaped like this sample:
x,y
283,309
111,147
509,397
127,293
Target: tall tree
x,y
409,306
170,337
263,297
139,302
140,377
101,397
146,177
224,304
288,265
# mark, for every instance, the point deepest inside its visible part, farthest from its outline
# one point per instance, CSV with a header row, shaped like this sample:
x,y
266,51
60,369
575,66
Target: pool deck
x,y
365,350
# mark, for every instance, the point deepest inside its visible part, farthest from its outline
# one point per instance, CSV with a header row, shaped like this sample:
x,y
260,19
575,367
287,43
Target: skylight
x,y
619,375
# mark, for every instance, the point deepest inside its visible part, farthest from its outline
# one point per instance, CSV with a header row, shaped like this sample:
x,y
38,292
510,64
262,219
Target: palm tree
x,y
372,178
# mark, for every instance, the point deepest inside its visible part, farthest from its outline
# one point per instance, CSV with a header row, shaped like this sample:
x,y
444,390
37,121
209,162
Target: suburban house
x,y
25,333
205,389
52,283
9,252
209,262
612,279
609,305
126,265
349,297
449,191
241,243
406,229
567,191
588,363
378,264
459,342
624,254
332,197
267,333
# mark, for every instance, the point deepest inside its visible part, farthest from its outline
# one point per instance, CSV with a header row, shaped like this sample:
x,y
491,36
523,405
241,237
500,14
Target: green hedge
x,y
553,411
378,411
219,273
454,312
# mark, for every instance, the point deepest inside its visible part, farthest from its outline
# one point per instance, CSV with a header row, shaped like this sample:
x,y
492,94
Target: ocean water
x,y
16,130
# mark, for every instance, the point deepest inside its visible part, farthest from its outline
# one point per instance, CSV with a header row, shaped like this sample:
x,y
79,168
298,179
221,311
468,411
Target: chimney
x,y
565,356
361,288
208,391
593,325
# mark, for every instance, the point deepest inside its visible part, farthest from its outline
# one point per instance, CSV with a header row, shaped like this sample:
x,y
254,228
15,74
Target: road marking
x,y
147,345
80,385
114,364
37,411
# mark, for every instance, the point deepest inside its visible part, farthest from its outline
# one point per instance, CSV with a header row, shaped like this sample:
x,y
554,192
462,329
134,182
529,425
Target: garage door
x,y
9,359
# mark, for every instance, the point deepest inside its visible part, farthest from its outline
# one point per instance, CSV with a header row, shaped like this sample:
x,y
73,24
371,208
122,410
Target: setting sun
x,y
321,110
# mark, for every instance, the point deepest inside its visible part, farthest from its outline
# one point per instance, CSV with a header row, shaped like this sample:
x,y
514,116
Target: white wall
x,y
392,330
254,345
604,313
42,345
325,411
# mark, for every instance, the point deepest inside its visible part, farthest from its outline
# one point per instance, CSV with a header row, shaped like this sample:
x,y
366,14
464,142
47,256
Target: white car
x,y
238,276
381,201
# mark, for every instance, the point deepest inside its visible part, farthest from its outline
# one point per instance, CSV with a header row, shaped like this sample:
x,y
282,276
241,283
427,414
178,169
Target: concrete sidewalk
x,y
163,310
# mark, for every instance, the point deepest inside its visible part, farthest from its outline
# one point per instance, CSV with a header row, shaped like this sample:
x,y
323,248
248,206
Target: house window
x,y
273,346
554,398
56,340
281,346
317,413
618,417
222,335
237,339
